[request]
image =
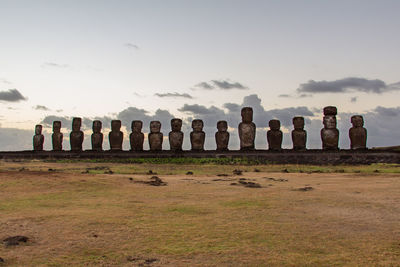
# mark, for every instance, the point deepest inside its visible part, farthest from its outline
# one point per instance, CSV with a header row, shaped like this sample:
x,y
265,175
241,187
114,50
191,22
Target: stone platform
x,y
316,157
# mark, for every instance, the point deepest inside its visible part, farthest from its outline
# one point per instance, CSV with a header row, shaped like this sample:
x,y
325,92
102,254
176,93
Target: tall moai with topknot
x,y
38,138
197,136
330,134
299,135
357,133
57,136
274,135
155,136
97,136
136,138
116,137
222,136
76,136
175,136
247,129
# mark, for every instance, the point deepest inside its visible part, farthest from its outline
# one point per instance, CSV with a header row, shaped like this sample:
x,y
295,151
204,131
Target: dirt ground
x,y
91,215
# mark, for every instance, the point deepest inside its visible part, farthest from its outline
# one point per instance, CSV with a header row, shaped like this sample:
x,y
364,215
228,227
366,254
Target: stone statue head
x,y
176,125
197,125
247,114
222,126
96,126
329,122
330,110
115,125
274,125
298,123
357,121
56,126
76,124
136,126
155,126
38,129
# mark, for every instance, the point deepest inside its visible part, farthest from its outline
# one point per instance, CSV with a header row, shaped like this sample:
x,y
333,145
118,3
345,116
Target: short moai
x,y
155,136
222,136
57,136
330,134
247,129
299,135
197,136
97,136
76,136
38,138
357,133
116,137
136,138
274,135
175,136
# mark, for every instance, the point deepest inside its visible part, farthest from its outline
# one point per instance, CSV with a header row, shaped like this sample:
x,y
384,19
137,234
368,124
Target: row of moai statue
x,y
247,133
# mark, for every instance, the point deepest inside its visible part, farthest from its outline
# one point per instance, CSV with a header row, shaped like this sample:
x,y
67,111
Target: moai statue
x,y
176,135
247,129
76,136
57,136
116,137
330,134
38,138
136,137
299,135
97,136
357,133
197,136
274,135
222,136
155,136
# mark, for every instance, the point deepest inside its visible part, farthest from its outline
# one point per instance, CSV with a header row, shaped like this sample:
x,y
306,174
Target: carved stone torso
x,y
358,138
247,134
175,140
197,139
155,141
76,140
38,140
57,139
136,140
97,141
299,138
330,139
222,140
274,138
115,139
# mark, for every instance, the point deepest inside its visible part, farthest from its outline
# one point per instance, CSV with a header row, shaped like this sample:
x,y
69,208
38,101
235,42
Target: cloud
x,y
285,96
350,84
65,121
297,96
40,107
12,95
54,65
5,81
175,95
220,84
132,46
353,99
232,107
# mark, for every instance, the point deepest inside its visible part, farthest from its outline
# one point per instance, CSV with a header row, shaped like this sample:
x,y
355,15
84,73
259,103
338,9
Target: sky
x,y
155,60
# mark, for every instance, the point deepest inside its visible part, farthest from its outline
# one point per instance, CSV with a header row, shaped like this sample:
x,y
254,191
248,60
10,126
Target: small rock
x,y
285,170
108,172
189,173
256,170
150,172
51,170
304,189
222,174
237,172
376,171
14,240
130,179
1,260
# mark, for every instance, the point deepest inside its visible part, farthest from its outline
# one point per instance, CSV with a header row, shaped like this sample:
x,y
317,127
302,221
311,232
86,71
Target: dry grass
x,y
77,219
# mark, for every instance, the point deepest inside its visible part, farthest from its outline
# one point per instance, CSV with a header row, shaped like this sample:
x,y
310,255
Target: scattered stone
x,y
189,173
130,179
154,181
285,170
87,171
14,240
23,169
51,170
304,189
234,184
141,260
376,171
250,184
256,170
95,236
276,180
222,180
108,172
222,174
237,172
339,171
1,260
150,172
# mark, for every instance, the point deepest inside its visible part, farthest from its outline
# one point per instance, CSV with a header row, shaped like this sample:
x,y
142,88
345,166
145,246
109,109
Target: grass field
x,y
84,213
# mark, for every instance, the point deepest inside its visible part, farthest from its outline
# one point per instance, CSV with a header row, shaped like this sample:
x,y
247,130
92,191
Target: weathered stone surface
x,y
76,136
247,129
330,134
136,137
197,136
357,133
97,136
222,136
38,138
299,135
57,136
155,136
274,135
176,135
116,137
